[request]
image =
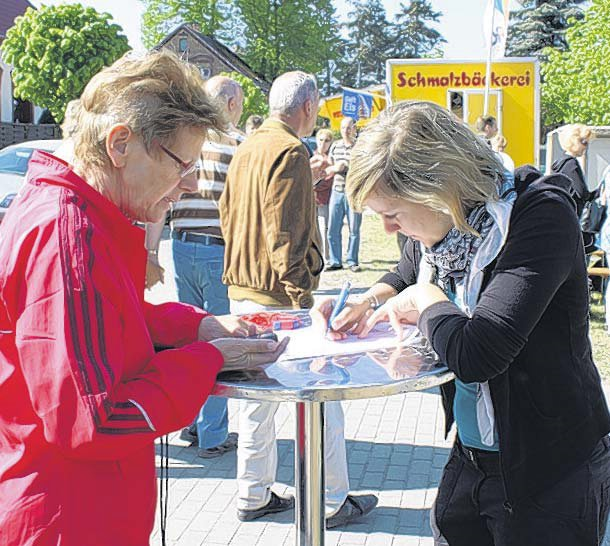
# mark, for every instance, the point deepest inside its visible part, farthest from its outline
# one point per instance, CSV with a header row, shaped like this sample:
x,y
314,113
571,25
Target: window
x,y
182,45
205,72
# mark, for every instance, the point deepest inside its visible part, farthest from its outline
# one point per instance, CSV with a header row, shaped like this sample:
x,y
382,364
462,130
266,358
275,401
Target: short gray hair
x,y
222,86
290,90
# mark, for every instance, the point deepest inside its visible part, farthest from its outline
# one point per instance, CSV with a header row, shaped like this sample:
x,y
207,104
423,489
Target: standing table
x,y
309,383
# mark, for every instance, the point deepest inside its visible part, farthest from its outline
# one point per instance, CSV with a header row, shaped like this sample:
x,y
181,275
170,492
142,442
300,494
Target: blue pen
x,y
340,303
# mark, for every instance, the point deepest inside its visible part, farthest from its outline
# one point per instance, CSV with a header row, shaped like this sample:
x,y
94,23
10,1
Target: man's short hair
x,y
290,90
222,86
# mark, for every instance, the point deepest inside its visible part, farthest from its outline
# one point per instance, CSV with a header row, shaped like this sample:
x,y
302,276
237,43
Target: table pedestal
x,y
309,474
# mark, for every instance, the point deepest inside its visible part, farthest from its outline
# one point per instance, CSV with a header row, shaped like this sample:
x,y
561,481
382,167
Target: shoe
x,y
229,444
354,268
189,434
276,504
333,267
354,507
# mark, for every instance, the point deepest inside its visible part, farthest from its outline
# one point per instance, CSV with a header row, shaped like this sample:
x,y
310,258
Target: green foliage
x,y
368,46
281,36
541,24
161,16
576,85
57,49
414,37
255,101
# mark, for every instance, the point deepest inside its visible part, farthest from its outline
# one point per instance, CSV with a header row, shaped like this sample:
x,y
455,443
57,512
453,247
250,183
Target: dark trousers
x,y
470,507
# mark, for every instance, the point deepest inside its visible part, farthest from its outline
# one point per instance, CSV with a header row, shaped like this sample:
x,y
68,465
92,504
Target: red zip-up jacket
x,y
82,393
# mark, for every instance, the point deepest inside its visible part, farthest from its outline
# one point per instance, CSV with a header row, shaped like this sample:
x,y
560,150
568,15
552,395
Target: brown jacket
x,y
268,221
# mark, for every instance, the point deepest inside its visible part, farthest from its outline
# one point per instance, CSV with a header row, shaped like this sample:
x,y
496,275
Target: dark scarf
x,y
452,256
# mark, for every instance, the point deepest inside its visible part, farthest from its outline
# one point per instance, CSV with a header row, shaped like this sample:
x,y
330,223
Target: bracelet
x,y
152,251
372,300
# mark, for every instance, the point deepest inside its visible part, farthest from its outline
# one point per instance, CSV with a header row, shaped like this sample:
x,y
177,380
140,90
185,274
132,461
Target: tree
x,y
541,24
282,36
368,45
161,16
576,85
255,101
57,49
413,37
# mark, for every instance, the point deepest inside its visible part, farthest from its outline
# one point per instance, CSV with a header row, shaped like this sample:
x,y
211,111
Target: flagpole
x,y
488,67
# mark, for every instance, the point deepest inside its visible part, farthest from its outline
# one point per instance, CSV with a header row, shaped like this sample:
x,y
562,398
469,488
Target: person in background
x,y
322,182
338,207
84,392
604,236
253,123
498,145
273,260
198,252
574,140
486,127
499,288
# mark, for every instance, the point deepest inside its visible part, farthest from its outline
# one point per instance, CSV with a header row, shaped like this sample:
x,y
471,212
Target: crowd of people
x,y
492,271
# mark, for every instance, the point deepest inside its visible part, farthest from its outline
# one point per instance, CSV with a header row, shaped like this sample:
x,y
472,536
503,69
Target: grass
x,y
379,252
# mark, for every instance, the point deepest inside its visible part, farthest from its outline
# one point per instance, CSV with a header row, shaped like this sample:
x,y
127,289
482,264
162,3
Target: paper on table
x,y
308,342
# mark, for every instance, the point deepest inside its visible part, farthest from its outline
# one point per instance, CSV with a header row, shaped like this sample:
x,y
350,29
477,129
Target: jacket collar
x,y
48,169
279,124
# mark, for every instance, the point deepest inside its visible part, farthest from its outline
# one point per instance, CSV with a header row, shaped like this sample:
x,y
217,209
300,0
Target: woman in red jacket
x,y
84,394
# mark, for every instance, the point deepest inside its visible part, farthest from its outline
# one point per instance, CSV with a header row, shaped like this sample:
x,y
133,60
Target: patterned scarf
x,y
452,256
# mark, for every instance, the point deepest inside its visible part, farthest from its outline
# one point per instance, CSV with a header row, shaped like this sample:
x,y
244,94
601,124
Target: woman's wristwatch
x,y
372,300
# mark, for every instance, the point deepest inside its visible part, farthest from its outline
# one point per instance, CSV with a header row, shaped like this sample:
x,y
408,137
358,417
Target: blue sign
x,y
356,105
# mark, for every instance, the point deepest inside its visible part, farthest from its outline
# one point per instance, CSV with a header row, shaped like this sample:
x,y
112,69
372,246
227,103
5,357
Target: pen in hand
x,y
339,304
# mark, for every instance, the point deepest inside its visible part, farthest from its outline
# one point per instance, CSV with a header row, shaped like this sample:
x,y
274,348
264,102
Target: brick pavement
x,y
395,449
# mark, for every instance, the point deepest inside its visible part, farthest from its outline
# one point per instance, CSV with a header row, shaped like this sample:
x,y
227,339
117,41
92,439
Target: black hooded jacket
x,y
529,337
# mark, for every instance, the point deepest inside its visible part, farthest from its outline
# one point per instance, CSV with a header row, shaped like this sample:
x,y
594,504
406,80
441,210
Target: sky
x,y
461,23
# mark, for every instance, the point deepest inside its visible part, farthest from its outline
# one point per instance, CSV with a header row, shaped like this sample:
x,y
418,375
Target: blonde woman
x,y
574,140
84,394
499,288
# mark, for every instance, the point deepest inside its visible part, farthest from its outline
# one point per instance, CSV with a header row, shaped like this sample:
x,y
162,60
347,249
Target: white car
x,y
14,161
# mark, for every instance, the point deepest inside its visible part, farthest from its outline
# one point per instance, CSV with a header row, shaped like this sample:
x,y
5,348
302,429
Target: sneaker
x,y
333,267
276,504
354,507
354,268
230,444
189,435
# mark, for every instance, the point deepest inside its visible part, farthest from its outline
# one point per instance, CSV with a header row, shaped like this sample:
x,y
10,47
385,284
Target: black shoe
x,y
189,434
276,504
229,444
354,507
333,267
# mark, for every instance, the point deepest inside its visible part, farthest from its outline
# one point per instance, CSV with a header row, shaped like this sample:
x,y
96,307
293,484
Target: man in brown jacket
x,y
273,259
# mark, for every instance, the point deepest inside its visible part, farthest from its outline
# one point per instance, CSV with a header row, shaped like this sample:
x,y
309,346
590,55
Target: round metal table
x,y
309,383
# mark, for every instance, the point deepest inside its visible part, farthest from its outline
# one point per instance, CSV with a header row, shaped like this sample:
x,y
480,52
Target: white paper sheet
x,y
308,342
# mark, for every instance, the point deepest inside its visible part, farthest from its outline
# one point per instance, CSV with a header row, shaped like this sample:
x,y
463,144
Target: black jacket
x,y
570,167
529,337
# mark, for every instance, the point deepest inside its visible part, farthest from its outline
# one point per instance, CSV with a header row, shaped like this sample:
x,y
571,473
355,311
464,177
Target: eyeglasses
x,y
186,168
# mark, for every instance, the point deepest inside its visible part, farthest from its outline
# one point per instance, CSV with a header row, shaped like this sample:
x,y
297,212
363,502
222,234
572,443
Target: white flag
x,y
495,26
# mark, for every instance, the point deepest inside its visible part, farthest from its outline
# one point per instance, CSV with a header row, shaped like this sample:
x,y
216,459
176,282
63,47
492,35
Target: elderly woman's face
x,y
412,219
152,181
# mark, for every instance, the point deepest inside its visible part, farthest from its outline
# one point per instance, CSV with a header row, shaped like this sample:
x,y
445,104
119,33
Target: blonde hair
x,y
326,132
418,151
571,135
156,95
499,143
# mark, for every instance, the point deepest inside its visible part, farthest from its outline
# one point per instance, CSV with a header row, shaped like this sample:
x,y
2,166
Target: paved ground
x,y
395,449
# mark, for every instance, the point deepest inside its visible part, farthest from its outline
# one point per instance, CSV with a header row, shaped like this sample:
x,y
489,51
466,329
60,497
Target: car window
x,y
15,160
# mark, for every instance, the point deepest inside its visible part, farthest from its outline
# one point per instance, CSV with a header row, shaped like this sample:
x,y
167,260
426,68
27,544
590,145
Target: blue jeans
x,y
199,270
338,209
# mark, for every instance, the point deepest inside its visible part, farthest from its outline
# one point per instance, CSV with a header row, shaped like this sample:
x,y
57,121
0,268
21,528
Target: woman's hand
x,y
248,353
351,318
215,327
405,308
